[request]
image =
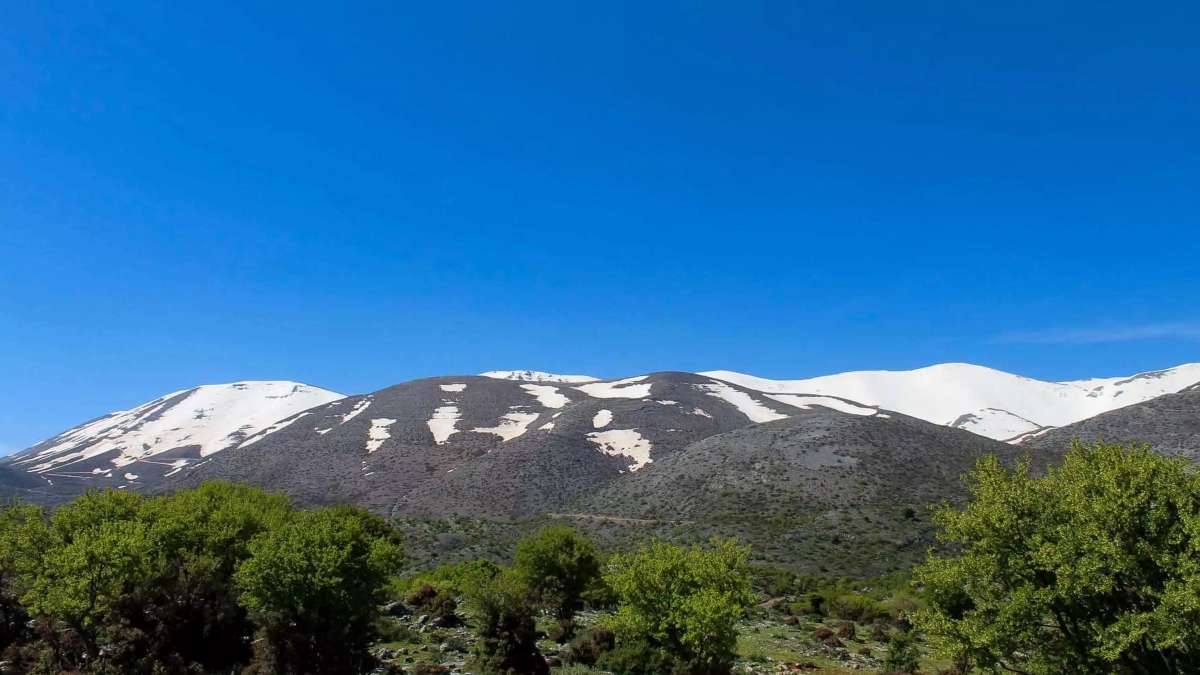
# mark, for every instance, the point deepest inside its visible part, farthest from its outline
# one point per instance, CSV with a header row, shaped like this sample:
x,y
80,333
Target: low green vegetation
x,y
215,579
1092,567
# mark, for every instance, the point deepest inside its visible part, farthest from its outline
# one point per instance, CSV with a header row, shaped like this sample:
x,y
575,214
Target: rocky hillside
x,y
487,446
829,487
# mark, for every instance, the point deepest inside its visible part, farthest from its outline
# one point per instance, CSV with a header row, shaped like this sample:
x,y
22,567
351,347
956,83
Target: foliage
x,y
558,565
507,630
116,582
587,649
455,578
1092,568
679,604
313,586
902,655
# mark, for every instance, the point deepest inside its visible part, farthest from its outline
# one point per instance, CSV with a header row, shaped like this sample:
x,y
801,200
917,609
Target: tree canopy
x,y
678,607
1092,568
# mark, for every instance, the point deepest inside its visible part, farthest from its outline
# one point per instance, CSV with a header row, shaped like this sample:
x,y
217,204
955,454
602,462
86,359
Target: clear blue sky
x,y
355,196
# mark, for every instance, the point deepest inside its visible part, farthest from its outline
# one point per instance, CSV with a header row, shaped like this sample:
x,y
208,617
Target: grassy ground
x,y
768,643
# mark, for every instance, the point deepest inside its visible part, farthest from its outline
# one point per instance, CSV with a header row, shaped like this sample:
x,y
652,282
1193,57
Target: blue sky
x,y
360,195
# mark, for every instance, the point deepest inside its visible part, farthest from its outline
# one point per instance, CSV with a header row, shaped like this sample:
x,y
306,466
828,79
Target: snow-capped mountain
x,y
537,376
159,438
988,402
428,444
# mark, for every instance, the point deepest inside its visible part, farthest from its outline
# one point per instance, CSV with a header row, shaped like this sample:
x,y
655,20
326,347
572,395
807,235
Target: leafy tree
x,y
95,553
507,631
314,585
189,612
558,564
678,606
22,533
1091,568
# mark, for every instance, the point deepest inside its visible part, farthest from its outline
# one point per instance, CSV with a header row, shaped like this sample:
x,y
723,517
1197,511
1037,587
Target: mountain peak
x,y
537,376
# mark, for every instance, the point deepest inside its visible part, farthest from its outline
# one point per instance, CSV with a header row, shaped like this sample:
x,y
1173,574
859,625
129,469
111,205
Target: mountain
x,y
835,470
988,402
489,446
820,487
144,446
538,376
1170,423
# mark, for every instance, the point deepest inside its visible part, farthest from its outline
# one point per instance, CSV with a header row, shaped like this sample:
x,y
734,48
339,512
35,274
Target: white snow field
x,y
537,376
212,416
989,402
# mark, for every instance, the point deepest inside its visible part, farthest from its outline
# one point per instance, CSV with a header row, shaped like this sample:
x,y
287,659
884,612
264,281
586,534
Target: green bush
x,y
855,607
1091,568
115,582
507,630
558,565
681,603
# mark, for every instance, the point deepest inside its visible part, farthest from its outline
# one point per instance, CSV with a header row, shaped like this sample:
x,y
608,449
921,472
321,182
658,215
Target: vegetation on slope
x,y
1091,567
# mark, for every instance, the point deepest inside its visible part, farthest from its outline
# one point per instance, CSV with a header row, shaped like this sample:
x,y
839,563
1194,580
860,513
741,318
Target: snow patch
x,y
264,433
602,419
360,406
441,425
624,442
176,467
701,412
453,387
802,401
745,403
378,433
511,425
547,395
131,476
618,389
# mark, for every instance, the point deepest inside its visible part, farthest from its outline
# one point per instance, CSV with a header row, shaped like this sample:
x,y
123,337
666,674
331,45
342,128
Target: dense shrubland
x,y
1093,567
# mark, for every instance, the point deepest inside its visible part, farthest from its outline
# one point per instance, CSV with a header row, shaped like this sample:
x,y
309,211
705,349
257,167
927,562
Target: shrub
x,y
683,602
422,596
558,565
587,649
507,631
855,607
902,655
638,657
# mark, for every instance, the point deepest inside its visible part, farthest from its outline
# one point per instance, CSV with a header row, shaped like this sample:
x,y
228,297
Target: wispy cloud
x,y
1150,331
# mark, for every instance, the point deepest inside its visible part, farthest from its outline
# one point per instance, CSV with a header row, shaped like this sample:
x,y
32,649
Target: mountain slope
x,y
1170,423
156,440
486,446
988,402
821,487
